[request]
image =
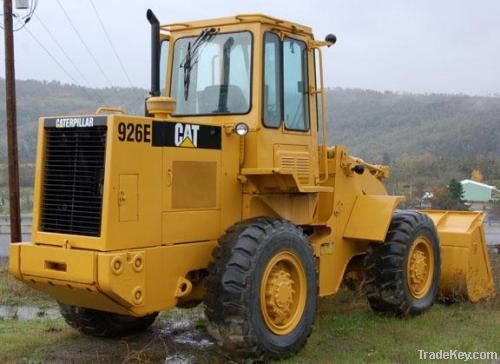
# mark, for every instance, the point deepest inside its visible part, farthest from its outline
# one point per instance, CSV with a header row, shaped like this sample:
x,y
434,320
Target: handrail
x,y
323,118
242,17
165,26
103,109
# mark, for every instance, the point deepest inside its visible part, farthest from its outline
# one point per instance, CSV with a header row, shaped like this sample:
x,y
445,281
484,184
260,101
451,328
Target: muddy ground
x,y
345,330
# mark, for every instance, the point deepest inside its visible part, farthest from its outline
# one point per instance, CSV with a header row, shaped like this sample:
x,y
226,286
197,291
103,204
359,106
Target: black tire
x,y
232,298
386,273
104,324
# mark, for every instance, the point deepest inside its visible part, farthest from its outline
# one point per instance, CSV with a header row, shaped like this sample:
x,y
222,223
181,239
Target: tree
x,y
439,200
476,175
456,196
448,198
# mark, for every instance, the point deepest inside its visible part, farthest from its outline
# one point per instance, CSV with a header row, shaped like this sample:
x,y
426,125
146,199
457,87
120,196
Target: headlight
x,y
241,129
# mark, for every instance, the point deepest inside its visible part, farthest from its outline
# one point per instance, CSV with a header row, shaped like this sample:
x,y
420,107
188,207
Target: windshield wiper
x,y
191,56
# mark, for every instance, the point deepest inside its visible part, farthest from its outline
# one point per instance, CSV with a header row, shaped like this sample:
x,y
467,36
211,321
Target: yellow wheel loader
x,y
227,193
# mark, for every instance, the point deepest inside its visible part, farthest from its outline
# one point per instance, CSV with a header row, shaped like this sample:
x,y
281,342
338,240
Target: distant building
x,y
478,195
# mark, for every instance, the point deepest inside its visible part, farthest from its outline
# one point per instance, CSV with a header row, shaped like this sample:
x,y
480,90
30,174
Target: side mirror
x,y
331,38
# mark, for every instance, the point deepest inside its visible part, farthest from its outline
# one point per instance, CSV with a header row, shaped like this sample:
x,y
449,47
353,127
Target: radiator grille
x,y
73,180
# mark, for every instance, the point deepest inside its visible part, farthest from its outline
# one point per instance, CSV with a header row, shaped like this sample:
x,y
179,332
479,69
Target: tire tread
x,y
227,287
104,324
385,265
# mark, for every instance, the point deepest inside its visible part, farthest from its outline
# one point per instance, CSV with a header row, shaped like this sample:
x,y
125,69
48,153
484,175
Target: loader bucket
x,y
465,266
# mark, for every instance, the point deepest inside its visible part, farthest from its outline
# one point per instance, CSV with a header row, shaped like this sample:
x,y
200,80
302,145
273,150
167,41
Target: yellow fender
x,y
370,217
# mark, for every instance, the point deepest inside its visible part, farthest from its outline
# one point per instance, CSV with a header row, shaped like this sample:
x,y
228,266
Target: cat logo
x,y
186,135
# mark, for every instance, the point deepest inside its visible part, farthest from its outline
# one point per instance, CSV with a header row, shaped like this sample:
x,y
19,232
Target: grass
x,y
20,338
15,293
53,341
345,331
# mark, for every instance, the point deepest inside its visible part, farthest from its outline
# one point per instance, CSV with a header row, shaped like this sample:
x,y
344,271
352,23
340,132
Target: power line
x,y
51,56
21,19
85,44
111,43
57,62
61,48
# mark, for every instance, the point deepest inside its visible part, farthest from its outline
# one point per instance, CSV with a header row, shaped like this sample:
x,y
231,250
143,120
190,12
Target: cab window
x,y
272,81
163,65
296,101
212,74
285,83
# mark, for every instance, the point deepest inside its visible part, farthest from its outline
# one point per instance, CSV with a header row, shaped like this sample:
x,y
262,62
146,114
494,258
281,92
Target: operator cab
x,y
256,71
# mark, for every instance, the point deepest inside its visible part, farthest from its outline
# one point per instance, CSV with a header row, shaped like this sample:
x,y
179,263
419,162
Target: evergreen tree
x,y
456,196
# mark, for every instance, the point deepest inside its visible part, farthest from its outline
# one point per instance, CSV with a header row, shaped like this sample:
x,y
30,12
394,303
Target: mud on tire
x,y
104,324
233,300
386,267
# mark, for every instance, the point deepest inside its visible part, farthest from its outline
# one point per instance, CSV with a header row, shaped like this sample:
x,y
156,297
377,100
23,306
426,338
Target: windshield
x,y
211,73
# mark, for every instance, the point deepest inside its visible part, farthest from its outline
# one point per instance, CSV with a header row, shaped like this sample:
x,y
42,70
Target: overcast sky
x,y
423,46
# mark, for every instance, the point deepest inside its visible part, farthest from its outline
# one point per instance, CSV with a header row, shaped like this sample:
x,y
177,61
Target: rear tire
x,y
104,324
262,290
402,274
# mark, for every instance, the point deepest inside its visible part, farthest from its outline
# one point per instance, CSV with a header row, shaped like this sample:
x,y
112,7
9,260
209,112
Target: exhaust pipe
x,y
155,53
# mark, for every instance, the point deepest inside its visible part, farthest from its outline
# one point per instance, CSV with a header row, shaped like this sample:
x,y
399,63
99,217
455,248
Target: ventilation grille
x,y
73,182
301,166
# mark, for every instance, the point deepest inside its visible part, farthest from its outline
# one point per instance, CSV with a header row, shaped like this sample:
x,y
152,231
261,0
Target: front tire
x,y
402,274
262,289
104,324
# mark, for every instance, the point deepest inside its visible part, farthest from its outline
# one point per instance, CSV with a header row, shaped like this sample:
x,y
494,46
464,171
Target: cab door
x,y
287,104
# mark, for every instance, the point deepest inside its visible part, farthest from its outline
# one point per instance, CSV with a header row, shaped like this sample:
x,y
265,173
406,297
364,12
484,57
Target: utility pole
x,y
10,106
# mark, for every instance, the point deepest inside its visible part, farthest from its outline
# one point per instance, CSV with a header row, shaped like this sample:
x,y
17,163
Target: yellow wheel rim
x,y
283,293
420,268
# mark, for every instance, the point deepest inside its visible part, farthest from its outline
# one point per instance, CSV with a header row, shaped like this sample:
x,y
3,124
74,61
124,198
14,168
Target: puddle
x,y
27,313
180,359
186,332
187,340
173,327
195,339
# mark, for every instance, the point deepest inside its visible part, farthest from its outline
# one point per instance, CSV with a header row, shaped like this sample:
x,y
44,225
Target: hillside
x,y
35,99
370,123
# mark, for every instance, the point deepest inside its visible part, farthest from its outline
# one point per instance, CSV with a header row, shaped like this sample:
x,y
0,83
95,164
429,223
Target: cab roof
x,y
241,19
